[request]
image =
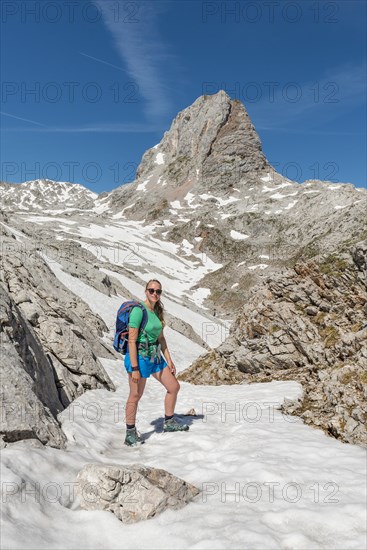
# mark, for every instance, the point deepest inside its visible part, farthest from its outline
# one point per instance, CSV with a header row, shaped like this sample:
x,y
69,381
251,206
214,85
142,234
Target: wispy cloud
x,y
306,131
321,100
102,61
21,118
120,128
145,54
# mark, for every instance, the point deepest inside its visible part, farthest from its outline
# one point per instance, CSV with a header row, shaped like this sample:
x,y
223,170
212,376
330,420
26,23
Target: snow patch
x,y
278,186
142,186
280,196
290,205
199,295
222,202
238,236
159,159
259,266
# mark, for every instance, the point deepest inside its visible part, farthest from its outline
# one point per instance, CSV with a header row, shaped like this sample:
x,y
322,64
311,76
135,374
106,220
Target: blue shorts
x,y
146,366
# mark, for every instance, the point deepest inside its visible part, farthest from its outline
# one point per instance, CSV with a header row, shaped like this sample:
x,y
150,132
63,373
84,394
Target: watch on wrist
x,y
135,368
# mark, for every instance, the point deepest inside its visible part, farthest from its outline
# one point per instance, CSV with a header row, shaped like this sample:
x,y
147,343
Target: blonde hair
x,y
158,306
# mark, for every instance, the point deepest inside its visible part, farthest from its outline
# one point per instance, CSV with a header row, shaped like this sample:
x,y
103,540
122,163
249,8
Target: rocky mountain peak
x,y
214,132
230,239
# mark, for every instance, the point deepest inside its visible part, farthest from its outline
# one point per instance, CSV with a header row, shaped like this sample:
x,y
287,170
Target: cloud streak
x,y
141,48
319,101
101,61
21,118
120,128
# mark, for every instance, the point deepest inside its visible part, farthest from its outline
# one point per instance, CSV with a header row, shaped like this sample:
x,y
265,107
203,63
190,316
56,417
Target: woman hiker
x,y
144,359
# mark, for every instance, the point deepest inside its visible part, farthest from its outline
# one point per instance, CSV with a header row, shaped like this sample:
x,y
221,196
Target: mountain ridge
x,y
207,215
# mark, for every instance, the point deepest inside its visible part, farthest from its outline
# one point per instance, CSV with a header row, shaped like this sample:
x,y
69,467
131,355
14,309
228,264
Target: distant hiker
x,y
144,358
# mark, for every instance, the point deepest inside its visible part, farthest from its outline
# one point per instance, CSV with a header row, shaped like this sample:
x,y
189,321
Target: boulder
x,y
132,492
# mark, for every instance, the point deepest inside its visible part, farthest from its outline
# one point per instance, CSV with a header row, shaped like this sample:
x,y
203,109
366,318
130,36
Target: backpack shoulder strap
x,y
143,325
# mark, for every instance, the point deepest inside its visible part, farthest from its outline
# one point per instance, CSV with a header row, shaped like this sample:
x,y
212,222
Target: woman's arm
x,y
133,352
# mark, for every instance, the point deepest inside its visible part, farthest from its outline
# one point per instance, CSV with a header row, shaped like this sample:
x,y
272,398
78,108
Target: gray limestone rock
x,y
43,194
132,492
64,325
279,335
29,397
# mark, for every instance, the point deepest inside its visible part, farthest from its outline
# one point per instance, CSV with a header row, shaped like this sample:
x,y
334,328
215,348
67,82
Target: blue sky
x,y
89,86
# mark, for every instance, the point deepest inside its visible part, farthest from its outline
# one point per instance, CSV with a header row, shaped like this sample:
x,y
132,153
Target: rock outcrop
x,y
49,345
308,323
133,492
29,397
64,324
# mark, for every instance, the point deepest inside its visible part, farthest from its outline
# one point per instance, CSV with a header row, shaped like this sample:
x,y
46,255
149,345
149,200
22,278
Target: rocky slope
x,y
29,398
271,254
50,341
307,323
209,183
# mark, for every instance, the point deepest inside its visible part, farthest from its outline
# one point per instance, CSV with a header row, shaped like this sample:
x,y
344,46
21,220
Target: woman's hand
x,y
172,367
135,376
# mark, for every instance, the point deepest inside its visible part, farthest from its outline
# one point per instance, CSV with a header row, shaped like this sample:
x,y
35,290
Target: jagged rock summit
x,y
45,195
211,146
213,131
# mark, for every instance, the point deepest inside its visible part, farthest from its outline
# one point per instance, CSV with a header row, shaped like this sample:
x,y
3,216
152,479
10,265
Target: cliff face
x,y
215,133
29,397
49,343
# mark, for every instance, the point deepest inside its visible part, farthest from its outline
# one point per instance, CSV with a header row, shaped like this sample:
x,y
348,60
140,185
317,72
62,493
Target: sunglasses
x,y
153,290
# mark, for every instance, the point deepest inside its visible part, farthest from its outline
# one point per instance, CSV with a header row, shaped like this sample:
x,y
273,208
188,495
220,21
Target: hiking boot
x,y
133,438
172,425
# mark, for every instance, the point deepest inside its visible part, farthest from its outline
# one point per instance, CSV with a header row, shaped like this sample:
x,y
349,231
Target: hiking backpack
x,y
120,342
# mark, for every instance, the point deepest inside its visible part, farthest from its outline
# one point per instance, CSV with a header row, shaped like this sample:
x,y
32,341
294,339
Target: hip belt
x,y
143,349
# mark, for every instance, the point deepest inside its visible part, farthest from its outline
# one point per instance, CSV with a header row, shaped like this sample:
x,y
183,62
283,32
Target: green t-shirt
x,y
153,328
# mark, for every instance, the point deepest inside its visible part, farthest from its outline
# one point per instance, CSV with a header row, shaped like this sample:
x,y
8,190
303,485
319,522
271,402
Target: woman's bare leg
x,y
136,391
172,386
